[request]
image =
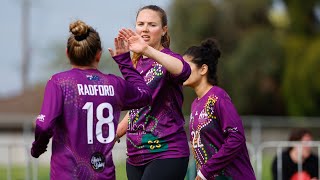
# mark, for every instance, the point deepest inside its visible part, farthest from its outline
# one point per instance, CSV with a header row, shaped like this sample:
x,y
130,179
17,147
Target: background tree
x,y
269,61
302,61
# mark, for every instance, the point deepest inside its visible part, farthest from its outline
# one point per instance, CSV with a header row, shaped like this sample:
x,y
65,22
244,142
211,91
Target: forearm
x,y
123,126
129,72
172,64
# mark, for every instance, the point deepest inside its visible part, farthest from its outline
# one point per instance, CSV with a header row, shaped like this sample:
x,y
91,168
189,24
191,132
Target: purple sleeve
x,y
137,93
231,125
185,73
51,109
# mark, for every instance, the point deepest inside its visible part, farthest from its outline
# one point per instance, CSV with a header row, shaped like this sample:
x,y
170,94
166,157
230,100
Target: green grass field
x,y
19,172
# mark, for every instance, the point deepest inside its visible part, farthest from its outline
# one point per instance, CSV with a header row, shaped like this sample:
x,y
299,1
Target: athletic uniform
x,y
81,110
217,138
157,131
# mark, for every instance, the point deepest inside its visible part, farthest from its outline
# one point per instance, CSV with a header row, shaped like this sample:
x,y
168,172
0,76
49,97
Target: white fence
x,y
279,146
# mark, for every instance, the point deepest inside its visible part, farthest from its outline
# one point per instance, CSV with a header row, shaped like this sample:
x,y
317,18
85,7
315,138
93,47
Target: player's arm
x,y
137,93
136,44
122,127
45,122
235,140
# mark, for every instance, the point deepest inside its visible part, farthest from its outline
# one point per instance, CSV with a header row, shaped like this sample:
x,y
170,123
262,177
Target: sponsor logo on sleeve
x,y
41,117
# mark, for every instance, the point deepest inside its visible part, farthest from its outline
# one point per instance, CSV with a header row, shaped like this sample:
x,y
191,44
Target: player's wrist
x,y
117,138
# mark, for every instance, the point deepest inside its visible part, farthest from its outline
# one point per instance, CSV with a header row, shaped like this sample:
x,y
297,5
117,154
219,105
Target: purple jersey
x,y
157,131
81,110
217,137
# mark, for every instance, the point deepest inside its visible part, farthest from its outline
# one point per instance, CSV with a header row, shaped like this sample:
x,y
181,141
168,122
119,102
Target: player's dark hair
x,y
83,44
207,53
165,40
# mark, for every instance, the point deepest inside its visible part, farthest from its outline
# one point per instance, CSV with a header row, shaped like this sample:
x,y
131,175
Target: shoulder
x,y
220,93
112,76
62,74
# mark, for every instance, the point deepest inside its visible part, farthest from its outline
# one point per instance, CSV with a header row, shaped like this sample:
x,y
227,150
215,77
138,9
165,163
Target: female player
x,y
216,132
81,108
157,145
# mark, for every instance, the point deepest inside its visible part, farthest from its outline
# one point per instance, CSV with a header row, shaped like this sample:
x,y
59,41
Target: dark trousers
x,y
159,169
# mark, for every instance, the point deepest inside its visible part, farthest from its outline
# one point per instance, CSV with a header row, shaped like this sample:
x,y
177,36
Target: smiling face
x,y
149,27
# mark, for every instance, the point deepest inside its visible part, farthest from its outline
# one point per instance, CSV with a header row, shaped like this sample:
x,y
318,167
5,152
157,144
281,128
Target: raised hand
x,y
120,47
135,41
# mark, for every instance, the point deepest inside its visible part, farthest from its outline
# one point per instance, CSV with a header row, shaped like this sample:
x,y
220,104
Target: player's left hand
x,y
120,47
198,178
135,41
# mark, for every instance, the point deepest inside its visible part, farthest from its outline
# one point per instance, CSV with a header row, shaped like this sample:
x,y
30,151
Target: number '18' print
x,y
101,121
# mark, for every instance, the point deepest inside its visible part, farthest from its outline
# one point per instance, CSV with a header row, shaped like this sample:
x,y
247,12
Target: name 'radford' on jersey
x,y
95,90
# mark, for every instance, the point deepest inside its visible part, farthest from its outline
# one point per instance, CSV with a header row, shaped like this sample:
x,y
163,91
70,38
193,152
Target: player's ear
x,y
98,56
204,69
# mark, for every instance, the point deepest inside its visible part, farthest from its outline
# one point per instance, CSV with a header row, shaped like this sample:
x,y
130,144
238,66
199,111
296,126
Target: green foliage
x,y
190,19
267,70
301,86
254,72
302,17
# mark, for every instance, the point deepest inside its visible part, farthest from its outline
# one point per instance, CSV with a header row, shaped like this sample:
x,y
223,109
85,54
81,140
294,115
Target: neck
x,y
202,89
84,67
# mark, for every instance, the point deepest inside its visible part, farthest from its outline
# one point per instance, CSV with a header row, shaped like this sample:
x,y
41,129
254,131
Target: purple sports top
x,y
80,111
157,131
217,137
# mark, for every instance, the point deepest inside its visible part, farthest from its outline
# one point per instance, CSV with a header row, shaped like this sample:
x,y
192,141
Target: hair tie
x,y
83,36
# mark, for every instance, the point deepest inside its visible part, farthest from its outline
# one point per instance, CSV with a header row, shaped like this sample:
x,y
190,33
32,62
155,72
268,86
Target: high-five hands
x,y
135,41
120,47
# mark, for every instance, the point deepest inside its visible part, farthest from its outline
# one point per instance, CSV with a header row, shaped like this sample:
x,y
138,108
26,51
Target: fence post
x,y
9,168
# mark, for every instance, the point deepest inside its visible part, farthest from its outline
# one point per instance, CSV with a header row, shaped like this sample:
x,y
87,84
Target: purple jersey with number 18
x,y
80,111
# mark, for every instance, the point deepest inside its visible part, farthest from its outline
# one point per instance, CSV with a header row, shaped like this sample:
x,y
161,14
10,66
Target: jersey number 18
x,y
101,121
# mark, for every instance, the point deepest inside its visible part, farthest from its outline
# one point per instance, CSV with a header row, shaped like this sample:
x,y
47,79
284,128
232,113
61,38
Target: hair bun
x,y
79,29
211,45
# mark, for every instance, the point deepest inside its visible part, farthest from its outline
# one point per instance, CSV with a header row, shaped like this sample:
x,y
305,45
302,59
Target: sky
x,y
49,25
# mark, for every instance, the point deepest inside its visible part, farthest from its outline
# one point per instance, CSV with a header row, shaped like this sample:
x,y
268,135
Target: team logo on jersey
x,y
98,162
41,117
203,115
93,77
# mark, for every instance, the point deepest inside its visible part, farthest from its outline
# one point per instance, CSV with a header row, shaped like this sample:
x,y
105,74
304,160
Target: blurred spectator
x,y
290,158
